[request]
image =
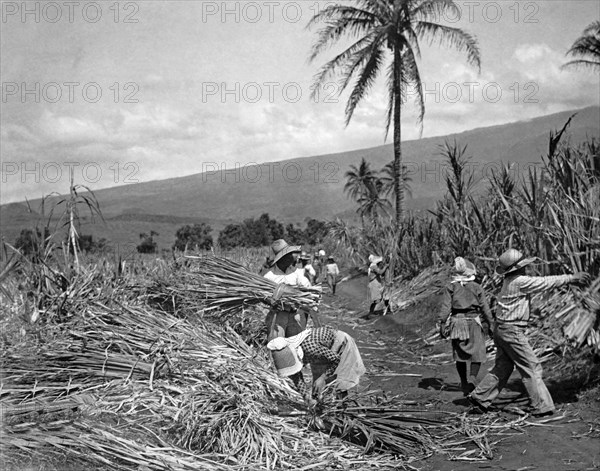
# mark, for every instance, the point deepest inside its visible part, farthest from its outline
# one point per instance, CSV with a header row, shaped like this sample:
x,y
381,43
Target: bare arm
x,y
379,270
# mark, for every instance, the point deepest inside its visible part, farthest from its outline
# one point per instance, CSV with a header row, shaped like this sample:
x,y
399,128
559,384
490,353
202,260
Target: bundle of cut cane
x,y
226,286
423,286
388,425
566,318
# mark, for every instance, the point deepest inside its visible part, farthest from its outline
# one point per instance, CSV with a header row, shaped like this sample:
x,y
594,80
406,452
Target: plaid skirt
x,y
468,342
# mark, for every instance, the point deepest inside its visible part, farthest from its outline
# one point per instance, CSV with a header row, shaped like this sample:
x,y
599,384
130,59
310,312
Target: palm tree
x,y
373,203
386,29
388,180
587,49
358,179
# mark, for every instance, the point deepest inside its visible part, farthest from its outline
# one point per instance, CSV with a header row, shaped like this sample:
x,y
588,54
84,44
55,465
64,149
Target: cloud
x,y
70,130
538,62
536,67
15,134
175,127
528,53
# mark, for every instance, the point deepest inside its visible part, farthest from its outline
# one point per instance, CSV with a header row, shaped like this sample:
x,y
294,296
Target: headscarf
x,y
464,271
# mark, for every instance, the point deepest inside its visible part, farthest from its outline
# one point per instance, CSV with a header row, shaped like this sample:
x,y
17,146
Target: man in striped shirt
x,y
513,348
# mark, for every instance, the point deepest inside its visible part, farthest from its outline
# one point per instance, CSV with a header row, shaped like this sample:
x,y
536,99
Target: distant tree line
x,y
252,232
31,242
264,230
194,237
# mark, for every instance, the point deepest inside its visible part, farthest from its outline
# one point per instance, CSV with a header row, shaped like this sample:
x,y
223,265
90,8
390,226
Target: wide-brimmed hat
x,y
280,248
375,259
463,267
512,260
321,253
286,361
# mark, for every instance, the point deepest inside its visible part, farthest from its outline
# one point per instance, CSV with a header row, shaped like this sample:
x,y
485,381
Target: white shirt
x,y
332,269
295,278
309,268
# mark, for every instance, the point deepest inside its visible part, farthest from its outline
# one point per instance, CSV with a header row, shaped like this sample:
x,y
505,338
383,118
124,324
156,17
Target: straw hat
x,y
286,361
512,260
280,248
463,267
374,259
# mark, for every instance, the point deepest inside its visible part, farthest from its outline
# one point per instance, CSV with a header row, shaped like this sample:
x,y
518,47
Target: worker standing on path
x,y
512,346
465,318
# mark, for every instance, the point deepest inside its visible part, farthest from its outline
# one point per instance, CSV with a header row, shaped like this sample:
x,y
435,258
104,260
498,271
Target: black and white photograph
x,y
309,235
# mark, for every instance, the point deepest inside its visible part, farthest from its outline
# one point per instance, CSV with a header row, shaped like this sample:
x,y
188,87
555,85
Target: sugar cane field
x,y
162,364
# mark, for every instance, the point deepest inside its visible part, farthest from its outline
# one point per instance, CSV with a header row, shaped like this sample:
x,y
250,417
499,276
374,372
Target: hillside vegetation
x,y
311,187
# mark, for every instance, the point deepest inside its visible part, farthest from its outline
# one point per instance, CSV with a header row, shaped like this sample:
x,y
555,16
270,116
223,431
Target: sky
x,y
133,91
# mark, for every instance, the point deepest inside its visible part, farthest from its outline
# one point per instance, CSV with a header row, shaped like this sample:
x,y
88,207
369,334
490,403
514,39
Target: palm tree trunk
x,y
398,186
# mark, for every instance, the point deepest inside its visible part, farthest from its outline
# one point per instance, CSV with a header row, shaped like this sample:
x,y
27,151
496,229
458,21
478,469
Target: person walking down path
x,y
316,264
322,346
332,272
306,267
376,292
465,318
320,262
284,320
512,346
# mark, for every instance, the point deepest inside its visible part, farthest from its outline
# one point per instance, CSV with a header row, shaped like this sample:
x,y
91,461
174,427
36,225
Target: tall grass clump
x,y
550,211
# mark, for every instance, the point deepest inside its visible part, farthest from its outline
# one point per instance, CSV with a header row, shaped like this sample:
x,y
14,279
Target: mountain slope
x,y
292,190
312,186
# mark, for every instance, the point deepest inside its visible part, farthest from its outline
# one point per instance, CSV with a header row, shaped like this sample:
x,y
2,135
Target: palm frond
x,y
339,65
413,78
586,49
372,64
451,37
341,22
594,66
435,10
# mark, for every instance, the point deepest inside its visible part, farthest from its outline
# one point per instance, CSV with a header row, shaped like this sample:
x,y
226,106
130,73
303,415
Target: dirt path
x,y
400,363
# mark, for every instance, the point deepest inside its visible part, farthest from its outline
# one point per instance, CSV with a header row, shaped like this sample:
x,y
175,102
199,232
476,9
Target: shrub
x,y
196,236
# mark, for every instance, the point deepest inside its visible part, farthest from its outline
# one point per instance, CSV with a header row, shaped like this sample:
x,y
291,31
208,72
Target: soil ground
x,y
399,362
